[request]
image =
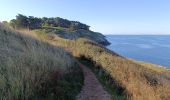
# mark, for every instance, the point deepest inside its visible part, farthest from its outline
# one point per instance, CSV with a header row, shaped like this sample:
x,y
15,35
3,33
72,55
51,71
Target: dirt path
x,y
92,89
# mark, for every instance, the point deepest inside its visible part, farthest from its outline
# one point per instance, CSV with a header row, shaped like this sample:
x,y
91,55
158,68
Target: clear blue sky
x,y
106,16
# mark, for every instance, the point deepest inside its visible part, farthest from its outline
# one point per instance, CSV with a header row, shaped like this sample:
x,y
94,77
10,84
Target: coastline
x,y
138,51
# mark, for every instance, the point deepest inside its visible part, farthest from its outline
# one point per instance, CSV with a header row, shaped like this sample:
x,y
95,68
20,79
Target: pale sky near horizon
x,y
105,16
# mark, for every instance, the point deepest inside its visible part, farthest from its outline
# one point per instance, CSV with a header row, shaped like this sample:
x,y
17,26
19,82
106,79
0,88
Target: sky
x,y
105,16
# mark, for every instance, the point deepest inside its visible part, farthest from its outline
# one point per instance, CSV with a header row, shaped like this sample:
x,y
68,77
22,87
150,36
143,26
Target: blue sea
x,y
148,48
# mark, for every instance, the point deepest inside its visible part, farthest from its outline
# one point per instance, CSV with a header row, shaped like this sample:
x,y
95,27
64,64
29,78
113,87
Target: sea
x,y
148,48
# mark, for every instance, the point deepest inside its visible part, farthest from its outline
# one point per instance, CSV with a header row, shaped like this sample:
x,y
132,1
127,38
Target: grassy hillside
x,y
76,34
61,27
135,80
32,69
130,79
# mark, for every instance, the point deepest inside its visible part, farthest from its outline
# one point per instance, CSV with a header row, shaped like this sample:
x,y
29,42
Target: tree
x,y
13,23
22,21
5,22
77,25
31,22
34,23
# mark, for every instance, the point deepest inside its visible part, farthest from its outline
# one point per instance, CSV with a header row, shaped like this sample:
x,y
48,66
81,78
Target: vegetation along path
x,y
92,89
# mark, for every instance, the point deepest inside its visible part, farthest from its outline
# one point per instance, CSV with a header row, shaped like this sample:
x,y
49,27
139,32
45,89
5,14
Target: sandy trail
x,y
92,89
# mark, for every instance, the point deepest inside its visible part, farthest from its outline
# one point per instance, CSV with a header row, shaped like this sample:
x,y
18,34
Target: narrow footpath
x,y
92,89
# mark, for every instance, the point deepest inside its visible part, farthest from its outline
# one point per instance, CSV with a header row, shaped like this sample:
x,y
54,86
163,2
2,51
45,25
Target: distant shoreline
x,y
143,50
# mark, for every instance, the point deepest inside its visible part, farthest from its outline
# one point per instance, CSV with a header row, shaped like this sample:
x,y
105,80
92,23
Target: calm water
x,y
152,49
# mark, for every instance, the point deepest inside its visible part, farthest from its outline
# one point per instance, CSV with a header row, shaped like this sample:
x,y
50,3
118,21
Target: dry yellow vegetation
x,y
139,81
33,69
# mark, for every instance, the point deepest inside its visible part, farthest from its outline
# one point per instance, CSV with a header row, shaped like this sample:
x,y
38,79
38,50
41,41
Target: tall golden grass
x,y
32,69
140,81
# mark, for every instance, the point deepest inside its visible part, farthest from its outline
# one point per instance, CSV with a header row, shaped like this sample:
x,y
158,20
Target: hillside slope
x,y
136,81
32,69
62,27
76,34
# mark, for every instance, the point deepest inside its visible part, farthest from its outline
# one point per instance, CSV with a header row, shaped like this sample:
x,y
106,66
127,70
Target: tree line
x,y
31,22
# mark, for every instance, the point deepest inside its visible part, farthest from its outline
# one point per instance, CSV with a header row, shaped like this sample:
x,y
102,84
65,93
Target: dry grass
x,y
157,68
30,69
140,81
